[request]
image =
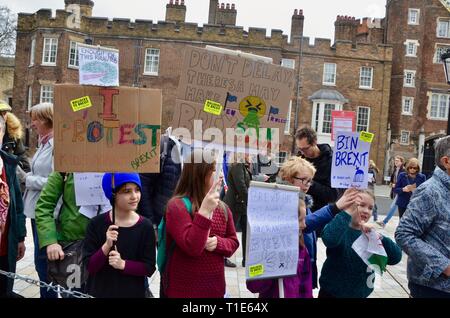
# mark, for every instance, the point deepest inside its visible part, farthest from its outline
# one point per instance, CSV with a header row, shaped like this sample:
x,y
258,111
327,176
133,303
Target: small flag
x,y
231,98
274,110
371,250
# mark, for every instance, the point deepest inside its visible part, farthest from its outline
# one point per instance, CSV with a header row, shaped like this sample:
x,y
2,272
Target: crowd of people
x,y
119,246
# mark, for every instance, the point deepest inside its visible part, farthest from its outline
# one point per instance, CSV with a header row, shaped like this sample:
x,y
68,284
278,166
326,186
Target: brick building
x,y
6,78
419,31
347,75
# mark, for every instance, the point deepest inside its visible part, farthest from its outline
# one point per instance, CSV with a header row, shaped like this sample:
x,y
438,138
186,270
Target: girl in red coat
x,y
203,236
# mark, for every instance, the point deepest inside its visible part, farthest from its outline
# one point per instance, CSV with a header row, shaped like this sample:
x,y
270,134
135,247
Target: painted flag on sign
x,y
231,98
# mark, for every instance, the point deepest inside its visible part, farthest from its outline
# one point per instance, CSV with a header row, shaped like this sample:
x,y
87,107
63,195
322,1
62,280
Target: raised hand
x,y
349,198
211,199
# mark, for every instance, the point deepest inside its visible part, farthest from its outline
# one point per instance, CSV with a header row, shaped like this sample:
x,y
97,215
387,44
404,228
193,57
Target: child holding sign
x,y
120,256
344,273
203,236
299,286
299,172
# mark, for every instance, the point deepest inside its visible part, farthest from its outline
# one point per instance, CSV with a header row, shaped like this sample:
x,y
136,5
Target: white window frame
x,y
443,24
361,77
151,58
73,62
32,51
47,92
325,74
413,79
30,97
46,58
410,19
289,63
402,134
415,44
287,128
440,48
319,111
367,126
411,105
442,106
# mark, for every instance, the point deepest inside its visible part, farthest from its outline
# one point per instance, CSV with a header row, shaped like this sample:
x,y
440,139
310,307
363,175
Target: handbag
x,y
71,271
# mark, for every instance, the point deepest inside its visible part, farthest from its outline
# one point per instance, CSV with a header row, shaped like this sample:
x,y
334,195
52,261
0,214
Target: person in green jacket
x,y
344,273
12,219
70,225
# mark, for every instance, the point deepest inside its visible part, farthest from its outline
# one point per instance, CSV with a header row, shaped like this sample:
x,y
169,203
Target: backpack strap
x,y
188,204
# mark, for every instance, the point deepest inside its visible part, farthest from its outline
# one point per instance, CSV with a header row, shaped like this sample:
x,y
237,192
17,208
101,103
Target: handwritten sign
x,y
81,103
350,161
213,108
120,132
273,229
255,97
342,121
98,65
88,189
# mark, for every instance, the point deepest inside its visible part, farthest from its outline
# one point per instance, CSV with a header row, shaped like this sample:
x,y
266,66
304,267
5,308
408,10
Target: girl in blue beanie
x,y
120,270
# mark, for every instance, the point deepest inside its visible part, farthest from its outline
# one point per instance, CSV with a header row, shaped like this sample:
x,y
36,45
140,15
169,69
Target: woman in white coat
x,y
41,167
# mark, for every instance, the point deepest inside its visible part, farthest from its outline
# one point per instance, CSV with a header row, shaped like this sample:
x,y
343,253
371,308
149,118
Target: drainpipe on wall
x,y
421,146
387,157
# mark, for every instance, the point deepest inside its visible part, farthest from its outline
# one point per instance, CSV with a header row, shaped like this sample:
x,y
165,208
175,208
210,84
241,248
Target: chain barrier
x,y
56,288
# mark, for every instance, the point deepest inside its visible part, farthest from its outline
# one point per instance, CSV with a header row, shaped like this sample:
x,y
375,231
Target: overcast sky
x,y
270,14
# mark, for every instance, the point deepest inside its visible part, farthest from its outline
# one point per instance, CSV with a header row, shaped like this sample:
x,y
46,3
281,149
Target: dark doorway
x,y
428,157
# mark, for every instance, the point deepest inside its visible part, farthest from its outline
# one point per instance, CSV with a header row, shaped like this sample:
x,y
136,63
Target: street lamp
x,y
445,57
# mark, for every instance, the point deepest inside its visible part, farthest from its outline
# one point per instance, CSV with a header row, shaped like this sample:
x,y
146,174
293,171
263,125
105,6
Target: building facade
x,y
345,75
419,31
6,78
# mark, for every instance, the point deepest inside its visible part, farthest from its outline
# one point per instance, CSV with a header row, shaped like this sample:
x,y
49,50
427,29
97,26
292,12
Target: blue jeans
x,y
418,291
392,210
40,263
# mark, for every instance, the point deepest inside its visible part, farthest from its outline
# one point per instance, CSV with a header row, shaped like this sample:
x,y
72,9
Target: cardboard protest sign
x,y
350,161
272,231
254,97
98,65
120,132
342,121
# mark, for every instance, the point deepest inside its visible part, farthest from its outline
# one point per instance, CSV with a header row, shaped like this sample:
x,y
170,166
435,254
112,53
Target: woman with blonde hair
x,y
41,167
12,141
407,183
299,172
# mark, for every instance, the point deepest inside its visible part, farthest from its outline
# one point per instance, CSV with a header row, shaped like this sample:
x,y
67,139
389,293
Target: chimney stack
x,y
176,11
297,25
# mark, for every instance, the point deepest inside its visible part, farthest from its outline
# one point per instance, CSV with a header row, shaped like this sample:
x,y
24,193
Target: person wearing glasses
x,y
299,172
321,156
407,183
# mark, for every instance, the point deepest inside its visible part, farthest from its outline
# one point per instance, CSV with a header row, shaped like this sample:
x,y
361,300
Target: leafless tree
x,y
8,26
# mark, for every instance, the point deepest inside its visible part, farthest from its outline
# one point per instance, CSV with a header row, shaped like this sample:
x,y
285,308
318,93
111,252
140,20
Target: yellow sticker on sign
x,y
212,107
366,136
81,103
256,270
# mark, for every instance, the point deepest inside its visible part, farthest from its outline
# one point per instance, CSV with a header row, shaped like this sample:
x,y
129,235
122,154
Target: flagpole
x,y
113,192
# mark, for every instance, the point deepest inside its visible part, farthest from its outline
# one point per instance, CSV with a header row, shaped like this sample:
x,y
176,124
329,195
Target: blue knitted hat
x,y
119,180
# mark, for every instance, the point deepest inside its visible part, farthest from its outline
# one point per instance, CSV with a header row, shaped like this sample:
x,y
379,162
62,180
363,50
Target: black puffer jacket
x,y
321,190
16,147
158,188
